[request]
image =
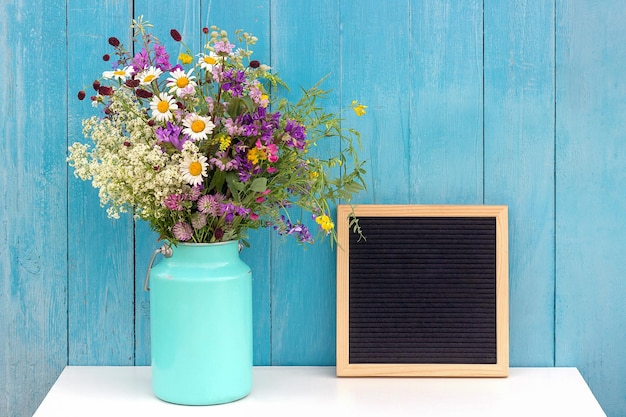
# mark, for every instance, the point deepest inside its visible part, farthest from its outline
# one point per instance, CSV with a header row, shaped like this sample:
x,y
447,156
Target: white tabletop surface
x,y
315,391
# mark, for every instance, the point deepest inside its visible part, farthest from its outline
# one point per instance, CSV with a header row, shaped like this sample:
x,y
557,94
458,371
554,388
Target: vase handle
x,y
166,251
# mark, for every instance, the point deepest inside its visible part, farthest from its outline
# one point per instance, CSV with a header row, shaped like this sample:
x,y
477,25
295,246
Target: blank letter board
x,y
422,291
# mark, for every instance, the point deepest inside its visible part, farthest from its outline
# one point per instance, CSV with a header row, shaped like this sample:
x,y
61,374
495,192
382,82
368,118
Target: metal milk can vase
x,y
201,324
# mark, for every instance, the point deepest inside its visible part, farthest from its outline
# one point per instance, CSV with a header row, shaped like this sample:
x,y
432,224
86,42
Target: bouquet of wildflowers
x,y
200,150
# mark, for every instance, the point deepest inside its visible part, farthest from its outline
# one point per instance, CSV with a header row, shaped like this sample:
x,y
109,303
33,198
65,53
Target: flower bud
x,y
132,83
114,42
105,90
255,64
96,85
176,35
141,93
81,95
205,30
106,57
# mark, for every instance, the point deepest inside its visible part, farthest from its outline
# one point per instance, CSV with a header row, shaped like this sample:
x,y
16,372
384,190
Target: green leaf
x,y
259,185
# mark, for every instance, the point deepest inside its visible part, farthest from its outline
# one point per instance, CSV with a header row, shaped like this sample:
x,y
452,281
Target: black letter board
x,y
423,291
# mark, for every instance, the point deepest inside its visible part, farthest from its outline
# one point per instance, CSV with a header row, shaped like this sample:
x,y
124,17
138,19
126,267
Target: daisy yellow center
x,y
182,82
210,60
148,78
119,72
195,168
163,106
197,126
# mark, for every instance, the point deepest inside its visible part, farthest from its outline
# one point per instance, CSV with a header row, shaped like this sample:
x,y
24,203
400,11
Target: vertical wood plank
x,y
253,16
33,209
101,292
519,164
185,18
446,102
305,39
375,70
590,198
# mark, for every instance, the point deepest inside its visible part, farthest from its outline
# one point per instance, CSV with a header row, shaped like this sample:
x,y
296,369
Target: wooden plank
x,y
100,290
305,39
445,99
185,18
33,209
591,174
375,71
519,163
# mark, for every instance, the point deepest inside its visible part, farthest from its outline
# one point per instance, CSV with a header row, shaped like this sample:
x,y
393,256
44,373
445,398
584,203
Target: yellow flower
x,y
255,154
359,109
185,59
325,223
224,142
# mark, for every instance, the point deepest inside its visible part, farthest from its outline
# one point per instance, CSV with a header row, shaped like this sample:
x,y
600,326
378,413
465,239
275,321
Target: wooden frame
x,y
347,368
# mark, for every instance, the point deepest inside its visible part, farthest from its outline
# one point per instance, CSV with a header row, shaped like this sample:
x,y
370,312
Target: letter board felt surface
x,y
424,293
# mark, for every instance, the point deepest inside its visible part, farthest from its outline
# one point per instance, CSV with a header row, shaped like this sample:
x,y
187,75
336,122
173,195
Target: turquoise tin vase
x,y
201,324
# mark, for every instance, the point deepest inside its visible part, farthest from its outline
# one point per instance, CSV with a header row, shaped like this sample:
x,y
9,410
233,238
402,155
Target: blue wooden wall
x,y
514,102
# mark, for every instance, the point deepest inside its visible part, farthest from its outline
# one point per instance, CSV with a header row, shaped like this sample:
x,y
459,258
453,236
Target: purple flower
x,y
141,60
300,231
223,48
161,58
174,202
182,231
222,162
295,136
211,204
234,82
172,134
195,193
198,220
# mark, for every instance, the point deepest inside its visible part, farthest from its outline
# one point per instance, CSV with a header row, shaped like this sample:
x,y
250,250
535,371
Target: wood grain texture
x,y
590,200
446,97
519,163
100,275
304,49
33,207
375,71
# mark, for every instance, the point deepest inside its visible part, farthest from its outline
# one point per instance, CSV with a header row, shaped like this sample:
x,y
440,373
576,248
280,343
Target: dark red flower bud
x,y
127,144
176,35
81,95
106,57
114,42
180,105
107,111
96,85
156,168
131,83
93,98
141,93
205,30
105,91
219,233
255,64
151,122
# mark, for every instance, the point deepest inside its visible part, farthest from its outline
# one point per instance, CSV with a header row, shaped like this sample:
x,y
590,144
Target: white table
x,y
316,391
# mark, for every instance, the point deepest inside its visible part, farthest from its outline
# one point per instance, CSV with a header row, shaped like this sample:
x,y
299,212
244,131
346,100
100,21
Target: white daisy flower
x,y
194,168
179,80
149,75
197,127
162,107
207,62
121,73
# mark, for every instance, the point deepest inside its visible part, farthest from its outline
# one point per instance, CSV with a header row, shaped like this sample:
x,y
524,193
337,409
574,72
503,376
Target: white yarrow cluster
x,y
126,164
